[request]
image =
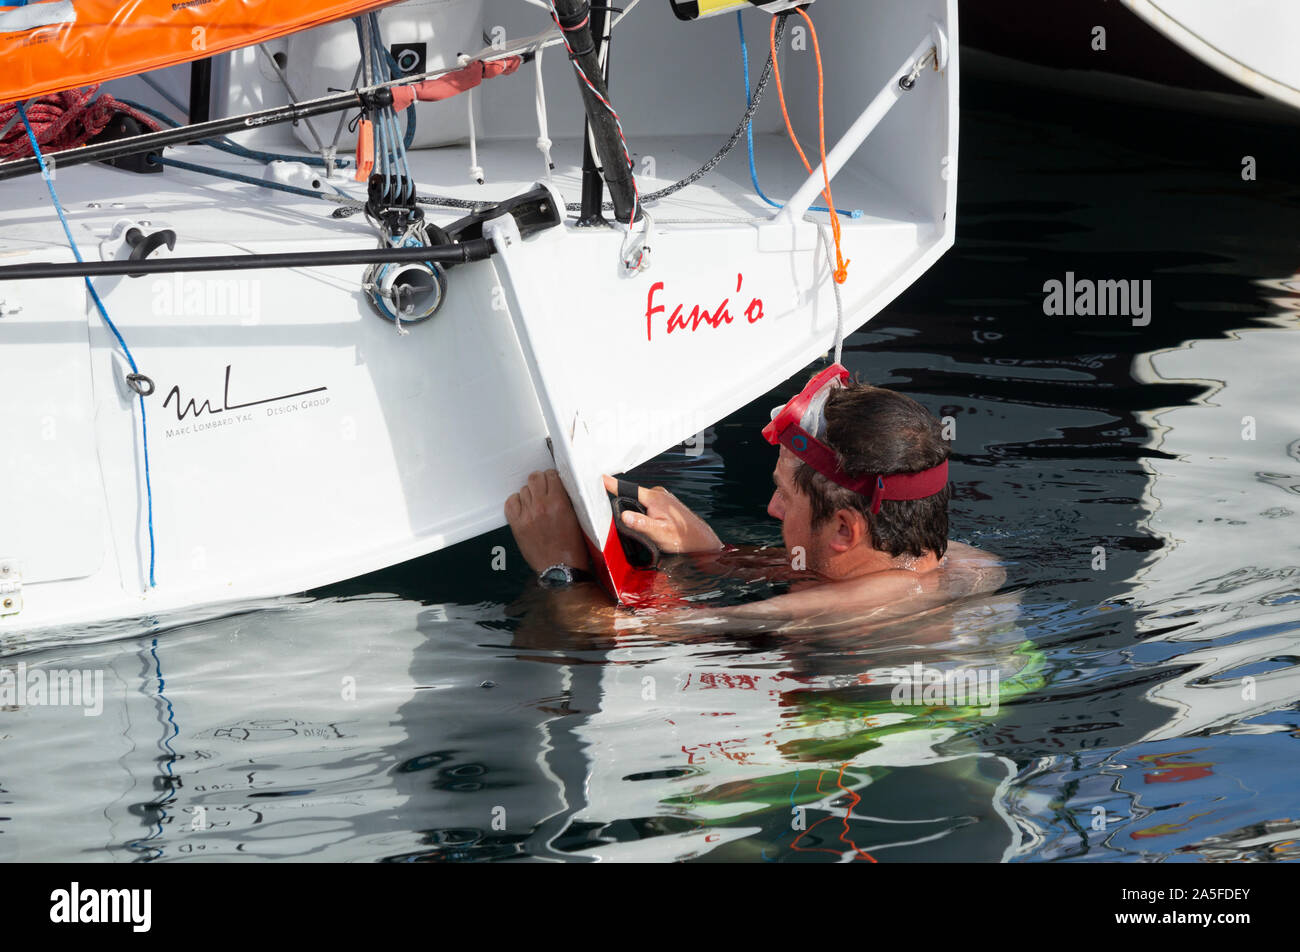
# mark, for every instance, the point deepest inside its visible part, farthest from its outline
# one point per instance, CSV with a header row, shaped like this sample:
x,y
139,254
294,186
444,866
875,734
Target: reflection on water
x,y
1141,486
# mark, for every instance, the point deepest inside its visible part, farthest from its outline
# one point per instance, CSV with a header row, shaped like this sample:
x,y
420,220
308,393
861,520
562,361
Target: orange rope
x,y
842,269
839,782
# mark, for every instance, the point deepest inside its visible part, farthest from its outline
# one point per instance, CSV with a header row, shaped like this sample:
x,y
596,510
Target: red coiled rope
x,y
63,121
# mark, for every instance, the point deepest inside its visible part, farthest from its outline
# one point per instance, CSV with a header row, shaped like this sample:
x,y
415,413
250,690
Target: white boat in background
x,y
296,435
1250,41
1219,60
1225,479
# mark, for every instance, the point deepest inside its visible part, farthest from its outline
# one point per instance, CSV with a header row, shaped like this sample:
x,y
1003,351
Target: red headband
x,y
787,429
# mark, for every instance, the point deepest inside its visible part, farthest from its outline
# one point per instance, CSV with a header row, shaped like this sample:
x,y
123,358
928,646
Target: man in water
x,y
861,490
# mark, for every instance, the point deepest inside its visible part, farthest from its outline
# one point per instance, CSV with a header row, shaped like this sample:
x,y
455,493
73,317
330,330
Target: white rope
x,y
475,170
825,242
543,129
538,43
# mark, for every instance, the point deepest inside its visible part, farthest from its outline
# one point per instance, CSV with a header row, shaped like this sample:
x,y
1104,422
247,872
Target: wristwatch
x,y
562,576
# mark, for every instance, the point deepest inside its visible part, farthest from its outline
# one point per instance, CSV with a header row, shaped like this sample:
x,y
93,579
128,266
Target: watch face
x,y
556,576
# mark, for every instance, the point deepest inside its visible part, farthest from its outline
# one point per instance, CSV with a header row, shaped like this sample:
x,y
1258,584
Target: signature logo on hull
x,y
228,412
189,407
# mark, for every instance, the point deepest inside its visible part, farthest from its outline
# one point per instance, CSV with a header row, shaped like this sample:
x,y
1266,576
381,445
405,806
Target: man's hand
x,y
545,526
668,521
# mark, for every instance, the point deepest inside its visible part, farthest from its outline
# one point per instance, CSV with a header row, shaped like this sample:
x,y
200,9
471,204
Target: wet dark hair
x,y
873,430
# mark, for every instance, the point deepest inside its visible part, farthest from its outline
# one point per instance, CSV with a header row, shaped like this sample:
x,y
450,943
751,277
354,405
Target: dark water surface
x,y
1147,640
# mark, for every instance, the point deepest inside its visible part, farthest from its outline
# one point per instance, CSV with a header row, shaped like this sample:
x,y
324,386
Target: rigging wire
x,y
726,150
135,375
536,43
293,96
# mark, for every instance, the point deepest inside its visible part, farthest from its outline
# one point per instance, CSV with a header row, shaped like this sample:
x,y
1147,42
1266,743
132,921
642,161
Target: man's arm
x,y
668,522
677,530
854,604
588,609
545,526
547,532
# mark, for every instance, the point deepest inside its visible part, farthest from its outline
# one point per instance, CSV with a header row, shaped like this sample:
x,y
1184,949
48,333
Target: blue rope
x,y
393,141
166,741
390,145
410,110
170,761
749,133
749,101
103,312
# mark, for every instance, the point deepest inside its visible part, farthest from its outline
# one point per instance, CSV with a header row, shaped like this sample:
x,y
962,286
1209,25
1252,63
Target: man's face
x,y
792,507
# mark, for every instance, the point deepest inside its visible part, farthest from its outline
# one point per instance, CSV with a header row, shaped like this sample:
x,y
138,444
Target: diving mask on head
x,y
800,426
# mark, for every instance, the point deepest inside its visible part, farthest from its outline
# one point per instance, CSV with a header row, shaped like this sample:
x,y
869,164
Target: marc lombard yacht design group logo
x,y
195,417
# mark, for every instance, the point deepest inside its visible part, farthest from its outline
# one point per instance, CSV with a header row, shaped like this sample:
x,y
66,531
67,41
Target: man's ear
x,y
850,530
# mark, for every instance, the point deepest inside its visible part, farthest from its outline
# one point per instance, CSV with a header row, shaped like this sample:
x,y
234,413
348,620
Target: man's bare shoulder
x,y
831,603
972,568
965,571
962,551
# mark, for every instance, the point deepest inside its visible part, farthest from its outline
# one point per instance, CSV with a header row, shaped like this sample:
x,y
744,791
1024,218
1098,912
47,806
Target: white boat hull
x,y
296,439
1250,41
